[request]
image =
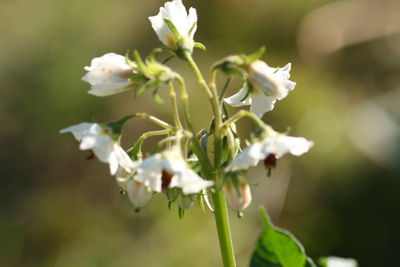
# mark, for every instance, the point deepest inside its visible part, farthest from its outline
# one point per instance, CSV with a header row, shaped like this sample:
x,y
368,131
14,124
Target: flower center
x,y
166,178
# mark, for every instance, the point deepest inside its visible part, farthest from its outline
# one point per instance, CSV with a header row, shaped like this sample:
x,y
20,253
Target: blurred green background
x,y
342,198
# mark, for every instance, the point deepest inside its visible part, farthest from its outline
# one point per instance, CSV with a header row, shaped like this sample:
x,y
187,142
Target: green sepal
x,y
256,55
249,90
192,28
201,202
129,61
114,129
135,152
157,97
139,61
277,247
181,213
172,28
200,46
168,59
139,78
152,56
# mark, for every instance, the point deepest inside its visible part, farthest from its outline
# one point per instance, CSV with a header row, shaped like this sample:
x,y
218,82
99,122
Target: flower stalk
x,y
181,165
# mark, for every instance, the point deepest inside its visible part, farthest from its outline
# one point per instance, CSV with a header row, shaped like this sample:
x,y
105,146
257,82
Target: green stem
x,y
223,228
220,209
155,120
244,113
175,112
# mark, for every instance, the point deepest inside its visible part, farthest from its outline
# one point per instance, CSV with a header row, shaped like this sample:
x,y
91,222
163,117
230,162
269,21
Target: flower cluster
x,y
181,166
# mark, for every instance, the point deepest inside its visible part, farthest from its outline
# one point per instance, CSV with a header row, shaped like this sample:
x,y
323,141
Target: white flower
x,y
340,262
138,193
97,139
167,170
269,149
238,199
268,85
185,24
108,75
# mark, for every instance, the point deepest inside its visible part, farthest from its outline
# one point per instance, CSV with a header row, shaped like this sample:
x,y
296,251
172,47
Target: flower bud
x,y
238,198
138,193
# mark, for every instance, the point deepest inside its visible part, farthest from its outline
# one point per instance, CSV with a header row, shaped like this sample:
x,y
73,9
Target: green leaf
x,y
200,46
172,28
278,248
255,56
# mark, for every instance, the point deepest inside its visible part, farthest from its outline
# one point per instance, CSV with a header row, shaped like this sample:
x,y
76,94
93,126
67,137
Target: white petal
x,y
77,130
113,163
108,75
235,100
189,182
272,81
260,103
138,193
340,262
295,145
107,89
151,179
123,158
159,26
176,12
236,201
153,163
192,20
250,156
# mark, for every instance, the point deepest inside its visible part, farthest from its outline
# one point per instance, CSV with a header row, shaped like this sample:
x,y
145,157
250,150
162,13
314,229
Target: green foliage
x,y
277,247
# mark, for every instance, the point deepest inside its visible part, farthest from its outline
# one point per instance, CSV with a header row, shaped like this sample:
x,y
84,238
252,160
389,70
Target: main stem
x,y
220,208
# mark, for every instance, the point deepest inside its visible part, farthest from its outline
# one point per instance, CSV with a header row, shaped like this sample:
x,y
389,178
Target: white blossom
x,y
340,262
108,75
270,148
237,198
185,23
138,193
167,170
268,85
97,139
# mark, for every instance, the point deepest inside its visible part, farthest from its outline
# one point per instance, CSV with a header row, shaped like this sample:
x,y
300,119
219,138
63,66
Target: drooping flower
x,y
266,86
185,24
269,150
238,198
98,139
137,192
108,75
168,170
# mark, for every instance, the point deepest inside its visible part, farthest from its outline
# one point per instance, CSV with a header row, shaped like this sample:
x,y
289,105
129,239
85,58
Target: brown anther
x,y
166,178
269,163
91,155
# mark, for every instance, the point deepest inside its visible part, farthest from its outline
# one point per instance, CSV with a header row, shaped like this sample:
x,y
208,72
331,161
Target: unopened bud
x,y
238,198
138,194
